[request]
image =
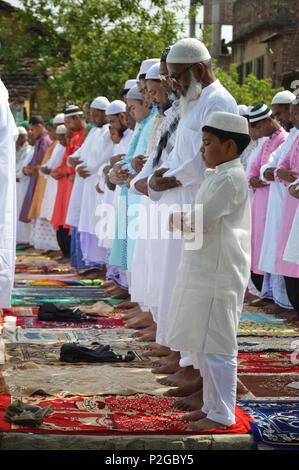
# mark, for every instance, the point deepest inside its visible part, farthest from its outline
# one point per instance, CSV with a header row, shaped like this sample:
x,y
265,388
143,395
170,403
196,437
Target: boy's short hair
x,y
241,140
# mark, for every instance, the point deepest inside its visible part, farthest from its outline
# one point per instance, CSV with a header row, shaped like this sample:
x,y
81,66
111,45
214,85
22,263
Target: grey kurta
x,y
211,281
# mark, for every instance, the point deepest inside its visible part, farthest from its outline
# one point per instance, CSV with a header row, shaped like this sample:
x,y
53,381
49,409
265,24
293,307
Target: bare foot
x,y
204,424
171,367
147,334
143,320
171,357
183,376
120,294
156,350
134,315
107,284
194,416
185,390
126,305
191,403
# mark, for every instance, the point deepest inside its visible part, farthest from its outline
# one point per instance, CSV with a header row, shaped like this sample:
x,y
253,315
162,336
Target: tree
x,y
86,48
251,92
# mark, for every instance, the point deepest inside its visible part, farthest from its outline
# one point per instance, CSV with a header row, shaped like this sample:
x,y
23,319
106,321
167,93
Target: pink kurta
x,y
290,204
260,197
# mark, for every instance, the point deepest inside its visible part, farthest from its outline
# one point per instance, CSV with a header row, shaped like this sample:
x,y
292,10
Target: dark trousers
x,y
292,286
64,241
257,280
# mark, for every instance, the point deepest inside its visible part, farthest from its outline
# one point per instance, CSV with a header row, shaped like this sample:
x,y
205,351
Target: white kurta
x,y
100,154
8,213
88,148
105,221
275,204
186,164
24,156
47,206
149,251
208,297
291,252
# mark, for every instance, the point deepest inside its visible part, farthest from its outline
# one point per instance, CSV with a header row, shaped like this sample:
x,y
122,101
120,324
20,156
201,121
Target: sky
x,y
226,30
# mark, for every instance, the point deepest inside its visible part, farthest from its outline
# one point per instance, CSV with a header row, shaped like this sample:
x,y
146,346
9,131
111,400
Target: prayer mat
x,y
110,415
20,311
275,425
75,283
18,353
266,343
97,307
3,386
57,335
33,260
247,328
259,317
266,362
99,323
23,247
60,269
60,300
271,385
85,380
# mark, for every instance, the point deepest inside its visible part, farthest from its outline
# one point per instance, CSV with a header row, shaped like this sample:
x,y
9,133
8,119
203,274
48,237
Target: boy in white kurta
x,y
211,281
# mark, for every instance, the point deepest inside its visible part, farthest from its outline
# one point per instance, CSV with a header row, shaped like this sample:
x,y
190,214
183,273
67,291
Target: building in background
x,y
265,37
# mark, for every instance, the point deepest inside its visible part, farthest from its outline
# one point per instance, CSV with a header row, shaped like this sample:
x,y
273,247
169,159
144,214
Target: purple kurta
x,y
290,204
260,197
39,151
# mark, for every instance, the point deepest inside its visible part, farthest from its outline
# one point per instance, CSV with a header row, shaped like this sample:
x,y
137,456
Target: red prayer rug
x,y
265,362
136,414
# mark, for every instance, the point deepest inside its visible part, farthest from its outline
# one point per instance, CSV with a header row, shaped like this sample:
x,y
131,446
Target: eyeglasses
x,y
175,78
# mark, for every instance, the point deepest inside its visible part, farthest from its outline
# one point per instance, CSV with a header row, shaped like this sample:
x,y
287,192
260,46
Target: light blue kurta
x,y
123,246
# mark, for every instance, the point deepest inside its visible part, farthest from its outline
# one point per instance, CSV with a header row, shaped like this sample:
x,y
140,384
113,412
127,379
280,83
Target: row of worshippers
x,y
272,170
184,297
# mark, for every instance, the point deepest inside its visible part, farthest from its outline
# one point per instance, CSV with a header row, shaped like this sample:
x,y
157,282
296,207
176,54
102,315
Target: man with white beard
x,y
177,180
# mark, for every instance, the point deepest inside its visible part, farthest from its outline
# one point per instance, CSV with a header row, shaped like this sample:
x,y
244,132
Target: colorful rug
x,y
60,301
23,247
267,343
99,323
62,380
18,353
264,362
275,426
44,269
247,328
255,316
138,414
272,385
81,282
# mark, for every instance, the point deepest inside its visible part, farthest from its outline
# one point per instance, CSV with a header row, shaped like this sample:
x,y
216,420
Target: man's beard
x,y
171,95
193,93
163,107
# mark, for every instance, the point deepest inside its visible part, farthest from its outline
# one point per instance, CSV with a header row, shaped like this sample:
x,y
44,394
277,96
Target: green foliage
x,y
251,92
86,48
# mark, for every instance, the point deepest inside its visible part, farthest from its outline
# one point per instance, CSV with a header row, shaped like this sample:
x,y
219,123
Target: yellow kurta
x,y
39,192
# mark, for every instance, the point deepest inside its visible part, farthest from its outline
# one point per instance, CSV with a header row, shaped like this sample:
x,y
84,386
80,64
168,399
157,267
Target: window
x,y
240,72
248,68
274,71
260,67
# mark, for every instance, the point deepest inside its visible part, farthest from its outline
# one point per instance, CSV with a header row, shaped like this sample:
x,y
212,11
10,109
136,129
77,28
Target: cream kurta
x,y
211,281
8,137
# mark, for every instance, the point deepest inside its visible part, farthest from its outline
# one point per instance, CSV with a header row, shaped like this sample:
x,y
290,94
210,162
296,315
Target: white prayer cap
x,y
101,103
146,65
153,73
22,130
134,94
228,122
72,110
59,119
116,107
130,83
61,129
258,112
283,97
243,110
188,51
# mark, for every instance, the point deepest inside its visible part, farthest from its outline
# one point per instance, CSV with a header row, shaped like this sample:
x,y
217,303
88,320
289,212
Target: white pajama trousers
x,y
219,374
